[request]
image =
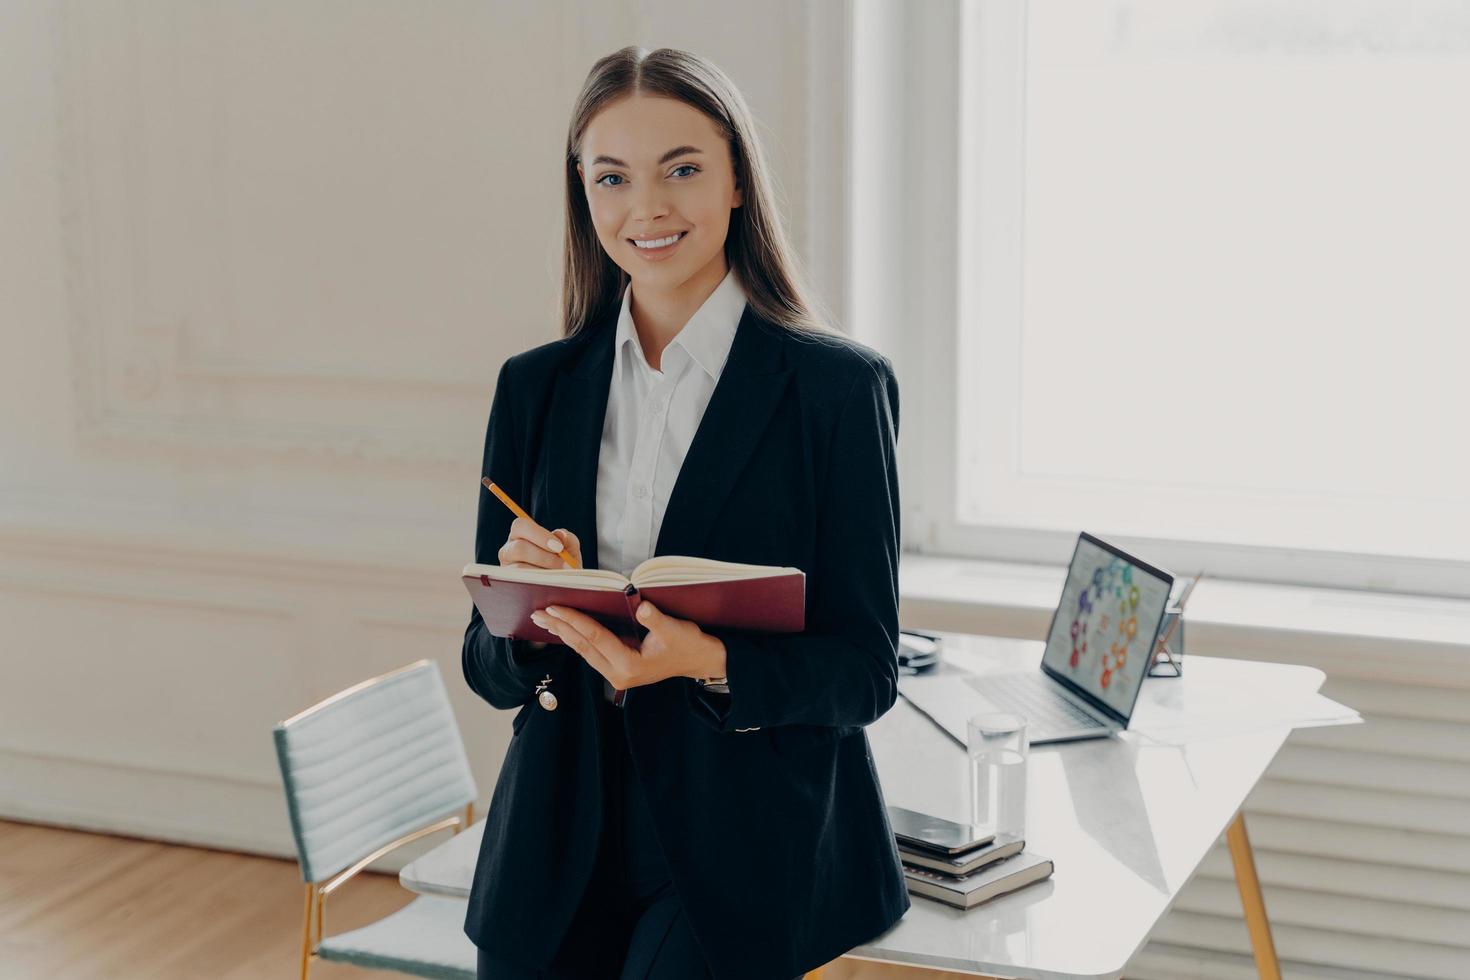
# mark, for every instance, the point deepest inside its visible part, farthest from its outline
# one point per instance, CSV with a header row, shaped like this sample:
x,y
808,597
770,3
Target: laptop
x,y
1098,651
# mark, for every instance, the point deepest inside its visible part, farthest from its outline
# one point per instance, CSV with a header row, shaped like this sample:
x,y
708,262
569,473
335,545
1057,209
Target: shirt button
x,y
640,492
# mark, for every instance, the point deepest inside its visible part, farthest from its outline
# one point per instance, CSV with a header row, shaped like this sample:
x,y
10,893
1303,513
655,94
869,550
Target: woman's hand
x,y
672,648
529,545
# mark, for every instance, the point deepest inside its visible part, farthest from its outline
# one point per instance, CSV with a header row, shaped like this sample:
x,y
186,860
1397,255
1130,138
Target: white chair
x,y
365,771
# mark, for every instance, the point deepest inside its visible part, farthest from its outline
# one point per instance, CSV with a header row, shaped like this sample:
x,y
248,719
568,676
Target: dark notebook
x,y
935,835
968,891
962,864
758,598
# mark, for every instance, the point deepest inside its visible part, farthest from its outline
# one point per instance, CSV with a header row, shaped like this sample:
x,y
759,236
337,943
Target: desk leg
x,y
1250,898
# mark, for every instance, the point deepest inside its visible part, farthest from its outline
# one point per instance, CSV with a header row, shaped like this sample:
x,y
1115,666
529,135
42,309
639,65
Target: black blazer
x,y
777,837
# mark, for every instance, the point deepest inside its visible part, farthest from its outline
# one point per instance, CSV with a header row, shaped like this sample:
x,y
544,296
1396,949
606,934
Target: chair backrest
x,y
370,764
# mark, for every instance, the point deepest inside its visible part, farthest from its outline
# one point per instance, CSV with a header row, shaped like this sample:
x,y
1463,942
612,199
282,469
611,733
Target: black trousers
x,y
630,924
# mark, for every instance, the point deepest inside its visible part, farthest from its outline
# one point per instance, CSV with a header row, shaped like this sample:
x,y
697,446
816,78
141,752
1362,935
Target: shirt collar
x,y
708,335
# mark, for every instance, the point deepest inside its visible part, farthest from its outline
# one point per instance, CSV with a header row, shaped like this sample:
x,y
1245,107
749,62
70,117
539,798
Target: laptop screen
x,y
1103,631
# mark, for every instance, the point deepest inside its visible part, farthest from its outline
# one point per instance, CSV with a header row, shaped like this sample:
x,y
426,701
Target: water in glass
x,y
998,748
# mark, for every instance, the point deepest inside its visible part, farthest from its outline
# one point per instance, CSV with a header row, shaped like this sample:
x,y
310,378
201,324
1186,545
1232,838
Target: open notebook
x,y
759,598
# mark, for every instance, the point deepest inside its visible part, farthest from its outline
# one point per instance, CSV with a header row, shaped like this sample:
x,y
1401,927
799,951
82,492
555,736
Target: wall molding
x,y
246,818
147,373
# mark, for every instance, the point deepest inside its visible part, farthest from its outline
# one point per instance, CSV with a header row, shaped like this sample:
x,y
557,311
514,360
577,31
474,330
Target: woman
x,y
723,819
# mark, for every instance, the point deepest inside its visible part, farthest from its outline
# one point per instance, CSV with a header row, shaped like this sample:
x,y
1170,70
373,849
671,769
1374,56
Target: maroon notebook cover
x,y
772,604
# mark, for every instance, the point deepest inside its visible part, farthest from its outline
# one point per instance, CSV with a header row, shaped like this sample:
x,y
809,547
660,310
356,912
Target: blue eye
x,y
682,166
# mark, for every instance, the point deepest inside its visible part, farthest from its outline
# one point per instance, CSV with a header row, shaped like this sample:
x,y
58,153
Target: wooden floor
x,y
89,906
81,905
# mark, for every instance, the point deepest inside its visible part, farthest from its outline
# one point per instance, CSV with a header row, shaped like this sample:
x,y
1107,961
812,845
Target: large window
x,y
1215,284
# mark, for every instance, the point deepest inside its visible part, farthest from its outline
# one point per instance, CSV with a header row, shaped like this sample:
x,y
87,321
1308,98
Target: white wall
x,y
260,265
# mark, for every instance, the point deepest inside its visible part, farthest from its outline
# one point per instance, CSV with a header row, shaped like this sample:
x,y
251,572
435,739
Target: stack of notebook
x,y
961,864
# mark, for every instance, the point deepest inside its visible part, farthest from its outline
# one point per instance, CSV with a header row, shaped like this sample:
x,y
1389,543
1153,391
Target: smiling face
x,y
653,168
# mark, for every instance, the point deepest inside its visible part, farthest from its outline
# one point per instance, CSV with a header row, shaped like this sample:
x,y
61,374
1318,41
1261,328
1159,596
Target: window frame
x,y
933,86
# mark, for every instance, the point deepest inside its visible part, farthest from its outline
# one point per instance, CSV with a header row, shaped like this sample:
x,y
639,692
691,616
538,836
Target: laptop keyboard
x,y
1044,709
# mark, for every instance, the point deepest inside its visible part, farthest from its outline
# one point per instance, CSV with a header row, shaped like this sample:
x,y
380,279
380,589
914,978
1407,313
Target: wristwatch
x,y
720,685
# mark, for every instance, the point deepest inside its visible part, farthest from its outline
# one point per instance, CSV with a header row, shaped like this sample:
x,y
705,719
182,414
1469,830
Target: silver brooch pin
x,y
547,699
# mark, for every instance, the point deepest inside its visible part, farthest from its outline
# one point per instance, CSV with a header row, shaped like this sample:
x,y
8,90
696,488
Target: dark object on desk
x,y
935,835
968,891
968,863
918,651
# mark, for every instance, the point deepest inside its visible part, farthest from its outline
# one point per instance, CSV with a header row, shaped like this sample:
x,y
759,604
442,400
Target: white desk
x,y
1127,821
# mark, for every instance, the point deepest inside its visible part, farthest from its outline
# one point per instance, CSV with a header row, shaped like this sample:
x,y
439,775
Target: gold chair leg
x,y
306,932
1251,900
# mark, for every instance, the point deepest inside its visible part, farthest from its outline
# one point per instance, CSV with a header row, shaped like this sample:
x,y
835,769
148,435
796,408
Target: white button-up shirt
x,y
651,420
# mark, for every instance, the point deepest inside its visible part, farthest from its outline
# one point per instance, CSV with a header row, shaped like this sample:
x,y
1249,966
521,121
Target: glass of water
x,y
998,747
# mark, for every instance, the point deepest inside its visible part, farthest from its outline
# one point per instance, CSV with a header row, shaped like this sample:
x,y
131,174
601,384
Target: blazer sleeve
x,y
842,669
503,672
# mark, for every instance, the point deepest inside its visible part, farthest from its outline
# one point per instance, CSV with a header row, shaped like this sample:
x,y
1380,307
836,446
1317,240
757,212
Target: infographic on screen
x,y
1104,630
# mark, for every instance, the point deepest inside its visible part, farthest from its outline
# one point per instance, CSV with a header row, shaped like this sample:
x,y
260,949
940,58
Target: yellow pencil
x,y
515,508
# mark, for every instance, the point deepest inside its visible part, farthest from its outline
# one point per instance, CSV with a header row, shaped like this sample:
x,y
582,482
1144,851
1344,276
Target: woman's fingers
x,y
598,645
657,657
574,546
519,551
531,544
535,534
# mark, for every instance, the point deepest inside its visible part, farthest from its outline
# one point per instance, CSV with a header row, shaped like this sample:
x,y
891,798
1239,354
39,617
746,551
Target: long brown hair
x,y
755,246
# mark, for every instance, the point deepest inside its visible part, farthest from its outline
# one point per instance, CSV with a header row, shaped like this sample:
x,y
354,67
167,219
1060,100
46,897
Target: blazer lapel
x,y
573,433
743,401
746,395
